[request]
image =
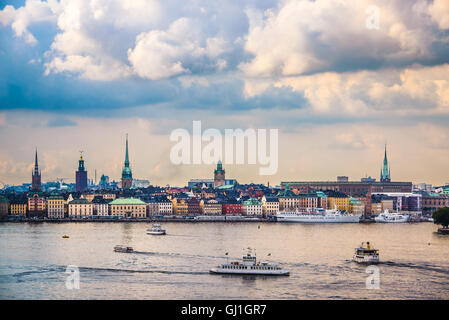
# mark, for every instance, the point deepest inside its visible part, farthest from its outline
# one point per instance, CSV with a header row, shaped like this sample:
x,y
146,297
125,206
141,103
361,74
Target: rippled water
x,y
34,258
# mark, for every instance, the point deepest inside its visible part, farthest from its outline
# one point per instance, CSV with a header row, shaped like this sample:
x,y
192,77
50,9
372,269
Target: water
x,y
34,258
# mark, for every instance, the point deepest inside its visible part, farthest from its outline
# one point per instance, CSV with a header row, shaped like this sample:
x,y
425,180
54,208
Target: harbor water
x,y
35,261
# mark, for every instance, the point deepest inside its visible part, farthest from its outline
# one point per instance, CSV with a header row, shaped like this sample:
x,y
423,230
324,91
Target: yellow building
x,y
270,205
128,207
180,206
376,208
342,203
211,207
18,208
55,207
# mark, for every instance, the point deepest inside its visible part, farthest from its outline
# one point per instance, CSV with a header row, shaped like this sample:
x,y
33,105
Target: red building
x,y
232,207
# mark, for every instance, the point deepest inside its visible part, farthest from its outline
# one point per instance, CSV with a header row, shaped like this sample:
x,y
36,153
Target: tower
x,y
127,176
36,176
385,171
219,175
81,175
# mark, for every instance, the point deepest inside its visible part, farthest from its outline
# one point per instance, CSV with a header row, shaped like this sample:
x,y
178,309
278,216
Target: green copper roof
x,y
252,202
226,186
127,201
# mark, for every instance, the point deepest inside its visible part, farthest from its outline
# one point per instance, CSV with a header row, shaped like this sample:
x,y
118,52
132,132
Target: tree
x,y
441,216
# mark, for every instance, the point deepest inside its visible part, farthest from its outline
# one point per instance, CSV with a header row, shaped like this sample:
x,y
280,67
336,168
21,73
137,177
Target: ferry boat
x,y
366,254
156,229
250,266
317,216
120,248
388,217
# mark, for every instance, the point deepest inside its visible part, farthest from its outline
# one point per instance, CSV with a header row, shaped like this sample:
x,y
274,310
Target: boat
x,y
65,236
366,254
121,248
317,216
389,217
156,229
250,266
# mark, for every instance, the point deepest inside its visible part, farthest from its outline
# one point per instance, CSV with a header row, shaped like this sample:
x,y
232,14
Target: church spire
x,y
126,156
385,171
36,165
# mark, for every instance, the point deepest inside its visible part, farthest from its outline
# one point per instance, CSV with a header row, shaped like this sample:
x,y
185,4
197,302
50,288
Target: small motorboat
x,y
366,254
125,249
156,229
65,236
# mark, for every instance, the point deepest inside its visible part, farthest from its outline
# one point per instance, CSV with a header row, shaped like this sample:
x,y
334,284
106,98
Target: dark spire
x,y
36,165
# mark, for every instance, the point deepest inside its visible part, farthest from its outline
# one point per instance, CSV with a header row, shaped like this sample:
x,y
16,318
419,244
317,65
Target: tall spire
x,y
126,156
385,171
36,165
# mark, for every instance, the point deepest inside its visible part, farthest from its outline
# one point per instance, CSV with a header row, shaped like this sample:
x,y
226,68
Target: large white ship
x,y
317,216
250,266
391,217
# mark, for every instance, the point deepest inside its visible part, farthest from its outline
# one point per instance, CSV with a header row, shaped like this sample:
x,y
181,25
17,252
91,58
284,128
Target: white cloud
x,y
161,54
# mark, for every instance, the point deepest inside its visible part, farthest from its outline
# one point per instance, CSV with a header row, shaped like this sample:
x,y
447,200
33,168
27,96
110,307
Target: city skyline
x,y
335,98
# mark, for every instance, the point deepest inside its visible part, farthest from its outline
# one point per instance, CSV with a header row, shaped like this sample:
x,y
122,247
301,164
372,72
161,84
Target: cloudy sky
x,y
80,74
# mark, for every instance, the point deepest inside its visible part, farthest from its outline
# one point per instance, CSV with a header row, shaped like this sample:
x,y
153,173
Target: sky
x,y
339,79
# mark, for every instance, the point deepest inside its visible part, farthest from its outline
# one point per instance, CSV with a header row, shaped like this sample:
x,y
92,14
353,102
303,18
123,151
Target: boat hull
x,y
156,233
320,219
250,272
365,260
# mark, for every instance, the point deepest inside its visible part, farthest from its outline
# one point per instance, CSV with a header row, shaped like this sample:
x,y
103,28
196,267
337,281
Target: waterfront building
x,y
36,176
337,200
356,206
270,205
128,207
4,206
385,171
211,207
193,206
252,207
376,207
231,207
180,206
81,176
18,207
80,208
431,202
37,204
160,206
101,206
127,176
404,202
219,175
55,207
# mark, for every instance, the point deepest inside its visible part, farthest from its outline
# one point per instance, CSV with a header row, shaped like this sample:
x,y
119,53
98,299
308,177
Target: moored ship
x,y
317,216
389,217
250,266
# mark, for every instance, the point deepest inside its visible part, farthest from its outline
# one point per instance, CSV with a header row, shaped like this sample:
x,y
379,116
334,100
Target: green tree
x,y
441,216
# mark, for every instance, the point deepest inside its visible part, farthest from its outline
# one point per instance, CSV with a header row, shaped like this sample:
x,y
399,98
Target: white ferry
x,y
317,216
366,254
156,229
250,266
388,217
121,248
